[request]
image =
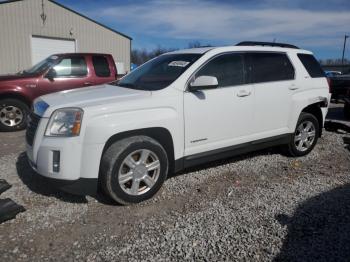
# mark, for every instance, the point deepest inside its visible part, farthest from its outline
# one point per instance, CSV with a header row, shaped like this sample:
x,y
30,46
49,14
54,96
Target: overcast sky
x,y
316,25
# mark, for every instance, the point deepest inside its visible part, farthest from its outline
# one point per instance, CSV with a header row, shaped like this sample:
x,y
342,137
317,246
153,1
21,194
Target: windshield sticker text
x,y
179,63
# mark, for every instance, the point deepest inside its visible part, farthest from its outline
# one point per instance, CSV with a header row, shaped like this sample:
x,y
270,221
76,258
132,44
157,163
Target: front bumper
x,y
80,186
78,163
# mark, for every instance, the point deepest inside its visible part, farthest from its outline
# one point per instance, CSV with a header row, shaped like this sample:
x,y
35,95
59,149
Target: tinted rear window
x,y
267,67
311,65
101,66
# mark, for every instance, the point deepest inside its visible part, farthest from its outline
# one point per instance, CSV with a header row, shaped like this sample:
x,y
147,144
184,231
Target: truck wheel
x,y
347,110
133,169
13,115
305,136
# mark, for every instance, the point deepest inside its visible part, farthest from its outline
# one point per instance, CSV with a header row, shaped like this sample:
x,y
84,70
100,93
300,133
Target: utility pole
x,y
342,59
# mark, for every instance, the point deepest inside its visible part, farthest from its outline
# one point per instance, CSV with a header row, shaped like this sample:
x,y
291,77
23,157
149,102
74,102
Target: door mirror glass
x,y
204,82
51,74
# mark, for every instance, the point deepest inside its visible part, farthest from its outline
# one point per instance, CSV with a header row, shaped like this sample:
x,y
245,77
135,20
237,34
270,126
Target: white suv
x,y
180,109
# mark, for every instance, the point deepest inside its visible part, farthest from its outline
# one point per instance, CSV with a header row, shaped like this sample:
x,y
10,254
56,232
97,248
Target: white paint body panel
x,y
198,122
217,118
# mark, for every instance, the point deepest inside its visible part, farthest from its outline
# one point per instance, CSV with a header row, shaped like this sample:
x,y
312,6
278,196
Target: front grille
x,y
32,126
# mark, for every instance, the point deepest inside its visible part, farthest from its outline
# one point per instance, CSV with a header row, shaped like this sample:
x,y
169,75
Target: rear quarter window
x,y
101,66
311,65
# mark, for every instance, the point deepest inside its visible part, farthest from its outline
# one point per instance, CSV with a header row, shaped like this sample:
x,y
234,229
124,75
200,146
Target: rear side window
x,y
311,65
228,69
267,67
101,66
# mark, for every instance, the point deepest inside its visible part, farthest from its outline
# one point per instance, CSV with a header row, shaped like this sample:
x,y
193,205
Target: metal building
x,y
31,30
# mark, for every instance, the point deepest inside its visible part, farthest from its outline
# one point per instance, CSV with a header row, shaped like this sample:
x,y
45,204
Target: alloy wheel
x,y
11,116
304,136
139,172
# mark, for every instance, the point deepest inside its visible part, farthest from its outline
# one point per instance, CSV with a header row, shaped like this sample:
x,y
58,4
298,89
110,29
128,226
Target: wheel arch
x,y
17,96
315,109
160,134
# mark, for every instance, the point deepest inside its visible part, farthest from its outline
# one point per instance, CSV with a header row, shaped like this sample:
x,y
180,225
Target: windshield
x,y
159,72
42,65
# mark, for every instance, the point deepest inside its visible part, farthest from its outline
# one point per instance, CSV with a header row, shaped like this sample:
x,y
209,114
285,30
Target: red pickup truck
x,y
55,73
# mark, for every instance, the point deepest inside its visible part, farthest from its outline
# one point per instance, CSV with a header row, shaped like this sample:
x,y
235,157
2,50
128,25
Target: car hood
x,y
14,77
92,96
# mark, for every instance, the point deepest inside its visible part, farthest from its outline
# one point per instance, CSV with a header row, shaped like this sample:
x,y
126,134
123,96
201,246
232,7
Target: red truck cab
x,y
56,73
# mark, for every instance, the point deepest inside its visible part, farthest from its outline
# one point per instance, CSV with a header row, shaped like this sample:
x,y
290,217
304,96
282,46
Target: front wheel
x,y
13,115
133,169
305,136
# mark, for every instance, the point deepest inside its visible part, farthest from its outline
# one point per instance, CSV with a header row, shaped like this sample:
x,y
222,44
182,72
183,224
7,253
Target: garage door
x,y
44,47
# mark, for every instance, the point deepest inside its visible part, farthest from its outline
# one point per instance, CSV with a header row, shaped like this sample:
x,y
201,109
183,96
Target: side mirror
x,y
51,74
203,82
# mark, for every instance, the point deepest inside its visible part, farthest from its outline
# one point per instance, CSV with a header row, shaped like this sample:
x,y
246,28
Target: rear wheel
x,y
13,115
305,136
133,169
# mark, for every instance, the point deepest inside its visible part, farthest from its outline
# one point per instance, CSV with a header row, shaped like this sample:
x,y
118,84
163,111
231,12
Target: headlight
x,y
65,122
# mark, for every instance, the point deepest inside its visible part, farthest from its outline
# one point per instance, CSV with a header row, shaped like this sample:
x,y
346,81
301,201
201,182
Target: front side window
x,y
227,68
159,72
267,67
71,67
101,66
41,66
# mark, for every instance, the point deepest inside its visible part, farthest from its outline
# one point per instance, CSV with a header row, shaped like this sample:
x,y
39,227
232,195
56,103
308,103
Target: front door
x,y
71,72
219,117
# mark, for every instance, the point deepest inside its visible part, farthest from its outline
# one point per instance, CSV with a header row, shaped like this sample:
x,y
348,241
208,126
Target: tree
x,y
333,61
139,57
196,44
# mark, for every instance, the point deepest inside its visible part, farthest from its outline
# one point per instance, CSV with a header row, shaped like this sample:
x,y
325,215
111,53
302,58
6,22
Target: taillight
x,y
329,84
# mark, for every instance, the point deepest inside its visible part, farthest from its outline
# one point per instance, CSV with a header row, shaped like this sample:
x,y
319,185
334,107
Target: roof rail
x,y
253,43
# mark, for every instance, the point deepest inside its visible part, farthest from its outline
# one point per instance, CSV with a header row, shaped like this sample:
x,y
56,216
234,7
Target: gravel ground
x,y
258,207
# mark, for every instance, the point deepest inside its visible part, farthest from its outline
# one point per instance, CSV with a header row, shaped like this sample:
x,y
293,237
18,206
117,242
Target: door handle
x,y
243,93
87,84
293,87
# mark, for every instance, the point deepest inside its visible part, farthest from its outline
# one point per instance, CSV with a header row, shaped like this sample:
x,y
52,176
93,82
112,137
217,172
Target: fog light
x,y
56,161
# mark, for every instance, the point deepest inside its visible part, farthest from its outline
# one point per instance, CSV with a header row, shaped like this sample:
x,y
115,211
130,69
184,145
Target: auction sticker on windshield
x,y
179,63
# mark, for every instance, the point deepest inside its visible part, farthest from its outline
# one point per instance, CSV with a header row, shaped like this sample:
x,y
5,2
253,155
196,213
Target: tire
x,y
118,161
307,129
13,115
347,110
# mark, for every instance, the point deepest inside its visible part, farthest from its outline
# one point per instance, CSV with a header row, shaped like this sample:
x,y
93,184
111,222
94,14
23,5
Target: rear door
x,y
272,75
71,72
